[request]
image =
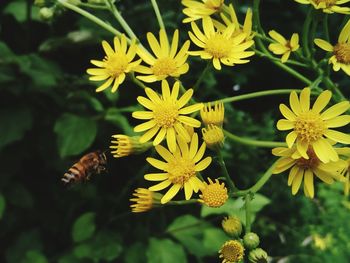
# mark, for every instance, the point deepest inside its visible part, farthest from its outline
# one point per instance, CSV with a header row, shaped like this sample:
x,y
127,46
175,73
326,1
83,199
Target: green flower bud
x,y
46,13
251,240
257,255
232,226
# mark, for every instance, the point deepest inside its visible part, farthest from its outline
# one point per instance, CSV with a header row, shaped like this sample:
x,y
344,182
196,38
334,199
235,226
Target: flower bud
x,y
257,255
251,240
46,13
232,226
126,145
144,200
213,137
213,115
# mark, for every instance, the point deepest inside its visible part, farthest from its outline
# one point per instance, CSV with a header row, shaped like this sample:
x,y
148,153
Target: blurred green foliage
x,y
50,116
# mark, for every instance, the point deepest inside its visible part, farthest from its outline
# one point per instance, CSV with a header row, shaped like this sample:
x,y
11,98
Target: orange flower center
x,y
328,3
180,170
116,64
309,126
164,67
310,163
342,53
232,251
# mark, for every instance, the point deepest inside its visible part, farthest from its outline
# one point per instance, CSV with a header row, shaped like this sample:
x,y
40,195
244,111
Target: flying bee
x,y
88,165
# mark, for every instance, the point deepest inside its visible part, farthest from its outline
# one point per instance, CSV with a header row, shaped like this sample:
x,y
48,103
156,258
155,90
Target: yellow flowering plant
x,y
181,126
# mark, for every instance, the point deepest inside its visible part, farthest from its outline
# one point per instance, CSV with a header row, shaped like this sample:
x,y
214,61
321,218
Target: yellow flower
x,y
213,137
167,61
306,169
126,145
341,50
220,46
283,46
116,63
310,126
144,200
196,10
232,225
328,6
179,168
213,194
322,243
213,115
247,25
232,251
166,115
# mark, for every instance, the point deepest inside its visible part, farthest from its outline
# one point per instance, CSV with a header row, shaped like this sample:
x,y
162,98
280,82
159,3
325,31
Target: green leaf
x,y
236,207
83,251
213,240
74,134
165,250
5,51
2,205
84,227
188,230
20,196
34,256
114,116
19,10
14,124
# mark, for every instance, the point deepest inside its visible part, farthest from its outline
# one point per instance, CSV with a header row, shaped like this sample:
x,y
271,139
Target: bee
x,y
88,165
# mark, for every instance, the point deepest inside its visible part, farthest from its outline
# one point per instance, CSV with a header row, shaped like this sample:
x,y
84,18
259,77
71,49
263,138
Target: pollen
x,y
164,66
116,64
218,46
165,114
310,163
180,170
213,194
342,53
232,251
309,126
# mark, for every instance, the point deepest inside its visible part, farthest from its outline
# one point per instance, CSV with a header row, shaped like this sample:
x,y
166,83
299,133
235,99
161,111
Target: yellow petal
x,y
157,164
297,181
338,121
160,136
153,43
189,121
290,139
324,151
171,139
284,125
322,101
302,148
293,172
200,153
309,182
287,113
193,146
149,134
160,186
171,193
335,110
278,37
203,164
323,44
338,136
156,177
305,99
145,126
294,103
188,190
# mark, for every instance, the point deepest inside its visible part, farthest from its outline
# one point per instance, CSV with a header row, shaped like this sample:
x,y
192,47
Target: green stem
x,y
183,202
247,141
200,79
292,62
306,29
121,20
248,214
331,85
158,15
229,181
93,6
325,27
255,95
256,16
136,81
90,17
259,184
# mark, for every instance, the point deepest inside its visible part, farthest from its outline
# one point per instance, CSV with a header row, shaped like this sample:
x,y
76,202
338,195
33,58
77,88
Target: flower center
x,y
180,170
214,195
165,114
328,3
342,53
116,64
311,163
232,251
218,46
164,66
309,126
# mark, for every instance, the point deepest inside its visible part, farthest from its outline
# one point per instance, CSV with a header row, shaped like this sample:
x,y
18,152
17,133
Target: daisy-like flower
x,y
220,46
166,115
179,168
283,46
328,6
247,25
232,251
306,169
115,65
198,9
213,194
124,145
213,115
310,126
341,50
144,200
167,61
